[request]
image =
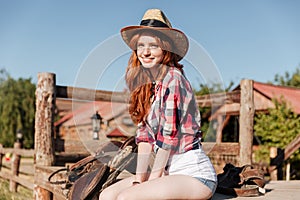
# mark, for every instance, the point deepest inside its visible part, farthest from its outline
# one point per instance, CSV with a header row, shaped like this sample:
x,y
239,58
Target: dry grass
x,y
22,194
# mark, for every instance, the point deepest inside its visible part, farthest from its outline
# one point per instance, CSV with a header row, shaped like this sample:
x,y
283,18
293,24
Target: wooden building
x,y
74,130
263,96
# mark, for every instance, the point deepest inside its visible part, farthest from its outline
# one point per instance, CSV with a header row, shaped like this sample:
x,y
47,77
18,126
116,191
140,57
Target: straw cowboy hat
x,y
156,20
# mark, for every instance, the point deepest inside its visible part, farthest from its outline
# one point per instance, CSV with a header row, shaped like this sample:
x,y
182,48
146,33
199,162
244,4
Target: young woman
x,y
168,119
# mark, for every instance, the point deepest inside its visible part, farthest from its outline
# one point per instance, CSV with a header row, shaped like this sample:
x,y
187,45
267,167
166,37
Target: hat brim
x,y
179,39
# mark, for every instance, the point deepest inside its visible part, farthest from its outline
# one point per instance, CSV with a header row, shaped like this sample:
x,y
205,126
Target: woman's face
x,y
148,51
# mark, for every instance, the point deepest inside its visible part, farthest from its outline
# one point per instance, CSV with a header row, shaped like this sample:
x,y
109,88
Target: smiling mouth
x,y
147,60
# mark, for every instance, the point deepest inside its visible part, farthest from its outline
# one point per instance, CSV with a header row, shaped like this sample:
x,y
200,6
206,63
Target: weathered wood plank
x,y
24,182
41,180
247,110
85,94
90,94
292,147
15,165
21,152
44,128
228,148
218,99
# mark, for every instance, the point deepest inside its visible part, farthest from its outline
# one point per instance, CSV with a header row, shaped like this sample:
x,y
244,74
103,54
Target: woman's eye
x,y
140,46
154,46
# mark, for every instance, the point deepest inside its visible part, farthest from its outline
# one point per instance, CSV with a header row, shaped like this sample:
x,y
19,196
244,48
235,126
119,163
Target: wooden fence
x,y
280,157
47,91
46,157
13,171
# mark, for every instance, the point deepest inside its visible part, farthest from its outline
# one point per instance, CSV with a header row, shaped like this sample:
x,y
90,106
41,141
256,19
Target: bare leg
x,y
166,187
111,192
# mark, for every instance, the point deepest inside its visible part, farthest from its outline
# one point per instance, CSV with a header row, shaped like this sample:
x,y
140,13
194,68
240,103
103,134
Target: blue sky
x,y
79,41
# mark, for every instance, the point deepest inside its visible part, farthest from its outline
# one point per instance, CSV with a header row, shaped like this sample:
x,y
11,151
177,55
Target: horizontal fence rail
x,y
85,94
13,170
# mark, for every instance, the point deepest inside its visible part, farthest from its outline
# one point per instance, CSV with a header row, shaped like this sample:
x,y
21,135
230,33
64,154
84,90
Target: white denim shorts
x,y
194,163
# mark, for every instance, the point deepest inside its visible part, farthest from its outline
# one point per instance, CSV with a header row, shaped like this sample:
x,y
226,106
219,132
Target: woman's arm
x,y
144,151
160,163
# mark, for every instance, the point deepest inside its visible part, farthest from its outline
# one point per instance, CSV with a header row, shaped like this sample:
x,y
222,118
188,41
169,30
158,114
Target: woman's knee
x,y
124,195
106,195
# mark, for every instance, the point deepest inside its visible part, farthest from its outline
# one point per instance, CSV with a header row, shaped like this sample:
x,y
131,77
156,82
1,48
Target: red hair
x,y
138,80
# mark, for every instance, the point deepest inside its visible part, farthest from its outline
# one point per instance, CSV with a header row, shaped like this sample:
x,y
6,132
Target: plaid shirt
x,y
174,118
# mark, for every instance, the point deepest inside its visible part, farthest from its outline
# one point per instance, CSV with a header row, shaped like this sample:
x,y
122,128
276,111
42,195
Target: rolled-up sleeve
x,y
143,135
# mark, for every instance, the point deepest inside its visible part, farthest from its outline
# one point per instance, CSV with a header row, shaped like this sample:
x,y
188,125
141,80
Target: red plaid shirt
x,y
174,118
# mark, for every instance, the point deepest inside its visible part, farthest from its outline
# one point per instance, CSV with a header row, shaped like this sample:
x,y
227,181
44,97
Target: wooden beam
x,y
44,128
246,122
90,94
15,166
225,148
220,119
22,181
22,152
218,99
85,94
44,117
42,174
292,147
221,124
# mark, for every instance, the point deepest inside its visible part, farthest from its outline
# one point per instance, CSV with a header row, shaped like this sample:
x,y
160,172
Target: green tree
x,y
277,128
281,125
287,79
17,109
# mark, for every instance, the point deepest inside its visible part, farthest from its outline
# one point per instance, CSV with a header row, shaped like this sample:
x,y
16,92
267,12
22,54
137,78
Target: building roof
x,y
116,132
81,114
264,93
290,94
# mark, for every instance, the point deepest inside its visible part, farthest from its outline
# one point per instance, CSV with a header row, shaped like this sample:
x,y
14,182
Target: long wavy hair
x,y
139,79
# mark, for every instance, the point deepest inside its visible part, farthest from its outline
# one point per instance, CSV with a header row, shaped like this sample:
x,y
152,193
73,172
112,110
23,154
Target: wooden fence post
x,y
247,110
287,171
219,129
273,168
44,128
276,163
15,165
